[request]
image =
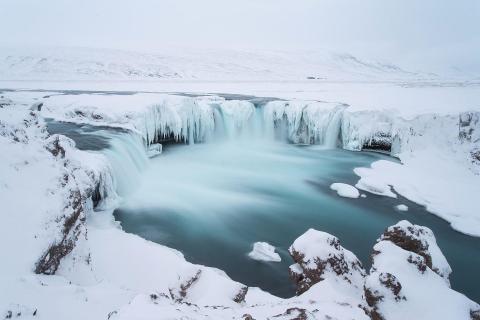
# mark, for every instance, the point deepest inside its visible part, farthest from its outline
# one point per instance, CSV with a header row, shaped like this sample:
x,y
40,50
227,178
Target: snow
x,y
116,275
430,124
345,190
401,207
108,273
263,251
103,64
372,183
418,287
418,138
438,168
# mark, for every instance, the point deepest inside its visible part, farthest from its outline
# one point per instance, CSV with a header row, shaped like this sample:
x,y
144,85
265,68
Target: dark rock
x,y
72,226
410,239
390,281
380,142
37,106
294,314
180,293
240,296
331,261
475,314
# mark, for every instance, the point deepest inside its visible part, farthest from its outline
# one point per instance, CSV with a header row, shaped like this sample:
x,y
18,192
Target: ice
x,y
263,251
401,207
345,190
154,150
304,122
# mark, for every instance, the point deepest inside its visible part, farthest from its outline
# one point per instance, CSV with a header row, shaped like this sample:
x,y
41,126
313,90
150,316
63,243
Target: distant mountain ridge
x,y
108,64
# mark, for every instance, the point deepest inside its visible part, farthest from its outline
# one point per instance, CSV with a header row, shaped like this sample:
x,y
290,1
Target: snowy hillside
x,y
174,64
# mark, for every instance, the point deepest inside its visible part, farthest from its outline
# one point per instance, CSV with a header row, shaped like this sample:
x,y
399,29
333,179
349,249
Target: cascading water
x,y
127,157
306,123
222,197
332,131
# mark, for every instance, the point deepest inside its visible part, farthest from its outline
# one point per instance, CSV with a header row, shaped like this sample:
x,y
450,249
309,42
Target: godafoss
x,y
214,200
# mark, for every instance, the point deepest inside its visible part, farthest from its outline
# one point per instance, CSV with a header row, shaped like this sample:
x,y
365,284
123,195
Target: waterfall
x,y
127,158
208,121
304,122
332,132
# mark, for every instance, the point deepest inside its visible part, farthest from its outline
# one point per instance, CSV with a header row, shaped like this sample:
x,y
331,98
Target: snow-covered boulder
x,y
194,286
409,278
419,240
319,256
263,251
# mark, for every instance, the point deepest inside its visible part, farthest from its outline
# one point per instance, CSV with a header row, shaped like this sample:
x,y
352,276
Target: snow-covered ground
x,y
206,65
48,187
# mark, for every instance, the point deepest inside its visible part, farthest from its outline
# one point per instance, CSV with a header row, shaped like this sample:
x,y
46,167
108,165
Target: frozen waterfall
x,y
208,120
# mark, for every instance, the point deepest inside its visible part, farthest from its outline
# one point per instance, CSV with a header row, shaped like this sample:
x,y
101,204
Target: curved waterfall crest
x,y
206,120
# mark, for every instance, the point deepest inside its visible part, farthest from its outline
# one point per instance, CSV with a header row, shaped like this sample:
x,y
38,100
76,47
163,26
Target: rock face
x,y
469,133
72,221
409,278
419,240
318,256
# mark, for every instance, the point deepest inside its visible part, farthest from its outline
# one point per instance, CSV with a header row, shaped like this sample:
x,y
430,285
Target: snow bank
x,y
319,257
438,169
263,251
345,190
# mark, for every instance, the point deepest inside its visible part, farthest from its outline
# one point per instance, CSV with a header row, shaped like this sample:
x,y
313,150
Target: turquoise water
x,y
213,201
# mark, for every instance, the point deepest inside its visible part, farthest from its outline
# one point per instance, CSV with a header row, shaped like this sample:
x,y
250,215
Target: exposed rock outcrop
x,y
318,256
469,133
419,240
73,228
409,278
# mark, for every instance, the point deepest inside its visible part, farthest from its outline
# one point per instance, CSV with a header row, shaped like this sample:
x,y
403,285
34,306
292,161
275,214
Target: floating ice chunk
x,y
363,195
375,186
263,251
345,190
401,207
154,150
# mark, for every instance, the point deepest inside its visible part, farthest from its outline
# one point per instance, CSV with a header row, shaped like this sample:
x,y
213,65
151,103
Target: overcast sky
x,y
390,28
